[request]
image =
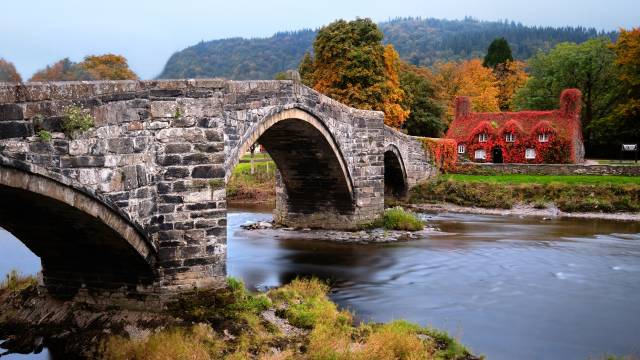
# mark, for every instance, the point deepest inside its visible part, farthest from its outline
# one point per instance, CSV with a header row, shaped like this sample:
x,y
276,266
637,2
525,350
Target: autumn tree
x,y
426,112
623,123
108,67
8,72
499,52
351,65
94,67
467,78
63,70
394,113
588,66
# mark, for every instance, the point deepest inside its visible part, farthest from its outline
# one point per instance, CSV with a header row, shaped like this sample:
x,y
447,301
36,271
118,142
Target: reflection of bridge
x,y
139,199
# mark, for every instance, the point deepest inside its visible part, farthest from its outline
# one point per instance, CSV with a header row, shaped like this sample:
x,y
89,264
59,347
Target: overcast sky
x,y
34,33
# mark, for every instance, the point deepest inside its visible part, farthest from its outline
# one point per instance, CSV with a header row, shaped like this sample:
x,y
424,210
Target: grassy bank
x,y
296,321
568,193
259,187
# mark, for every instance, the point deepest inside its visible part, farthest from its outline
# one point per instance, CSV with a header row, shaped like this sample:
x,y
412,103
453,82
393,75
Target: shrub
x,y
399,219
76,120
44,135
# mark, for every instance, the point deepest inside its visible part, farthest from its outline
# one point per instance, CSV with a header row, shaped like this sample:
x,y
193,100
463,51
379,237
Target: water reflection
x,y
510,288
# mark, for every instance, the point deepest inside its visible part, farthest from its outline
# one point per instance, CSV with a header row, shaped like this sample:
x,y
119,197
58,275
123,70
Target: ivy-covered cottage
x,y
553,136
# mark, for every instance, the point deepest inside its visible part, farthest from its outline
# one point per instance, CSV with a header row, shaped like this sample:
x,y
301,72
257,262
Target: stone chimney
x,y
462,106
570,102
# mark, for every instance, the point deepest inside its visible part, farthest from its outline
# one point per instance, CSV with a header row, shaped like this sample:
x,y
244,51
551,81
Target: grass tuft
x,y
15,281
331,333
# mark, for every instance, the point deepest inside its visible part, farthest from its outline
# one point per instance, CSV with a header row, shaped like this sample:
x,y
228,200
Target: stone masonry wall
x,y
417,162
155,152
161,150
546,169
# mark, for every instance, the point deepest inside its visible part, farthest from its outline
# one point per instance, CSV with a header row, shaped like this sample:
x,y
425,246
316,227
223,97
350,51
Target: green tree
x,y
499,52
8,72
588,66
351,65
426,113
306,69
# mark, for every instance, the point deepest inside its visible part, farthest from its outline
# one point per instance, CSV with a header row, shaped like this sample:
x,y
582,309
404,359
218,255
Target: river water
x,y
508,287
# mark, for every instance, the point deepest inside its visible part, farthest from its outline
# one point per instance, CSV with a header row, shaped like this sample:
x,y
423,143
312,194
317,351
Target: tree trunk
x,y
253,168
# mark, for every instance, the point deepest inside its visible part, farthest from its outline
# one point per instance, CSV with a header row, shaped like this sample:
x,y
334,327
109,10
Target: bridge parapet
x,y
161,151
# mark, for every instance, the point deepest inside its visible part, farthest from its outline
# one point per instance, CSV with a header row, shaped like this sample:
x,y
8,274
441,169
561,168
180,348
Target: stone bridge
x,y
137,204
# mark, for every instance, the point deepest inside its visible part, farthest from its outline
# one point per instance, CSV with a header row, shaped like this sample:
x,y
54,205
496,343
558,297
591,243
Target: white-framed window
x,y
480,154
461,149
544,137
510,137
483,137
530,154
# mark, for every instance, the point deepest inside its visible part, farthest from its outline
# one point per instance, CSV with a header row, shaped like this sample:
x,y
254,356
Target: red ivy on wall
x,y
561,128
443,152
554,150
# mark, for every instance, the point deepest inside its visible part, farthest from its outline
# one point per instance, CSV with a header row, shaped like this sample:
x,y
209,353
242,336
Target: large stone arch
x,y
395,173
81,240
313,177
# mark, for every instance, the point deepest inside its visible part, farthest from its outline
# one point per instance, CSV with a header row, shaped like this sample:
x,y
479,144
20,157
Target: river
x,y
508,287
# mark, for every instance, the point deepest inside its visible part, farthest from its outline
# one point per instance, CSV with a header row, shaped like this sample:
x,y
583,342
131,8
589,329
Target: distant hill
x,y
419,41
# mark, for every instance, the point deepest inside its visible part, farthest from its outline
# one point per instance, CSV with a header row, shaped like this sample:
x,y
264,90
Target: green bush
x,y
399,219
76,120
44,135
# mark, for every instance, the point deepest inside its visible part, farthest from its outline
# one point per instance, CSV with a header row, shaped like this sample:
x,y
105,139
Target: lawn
x,y
546,179
257,187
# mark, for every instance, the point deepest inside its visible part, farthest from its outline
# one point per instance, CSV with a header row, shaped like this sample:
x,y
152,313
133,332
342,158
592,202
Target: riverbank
x,y
296,321
606,197
259,187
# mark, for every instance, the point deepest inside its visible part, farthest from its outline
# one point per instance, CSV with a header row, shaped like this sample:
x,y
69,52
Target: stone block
x,y
208,172
82,161
15,129
163,109
10,112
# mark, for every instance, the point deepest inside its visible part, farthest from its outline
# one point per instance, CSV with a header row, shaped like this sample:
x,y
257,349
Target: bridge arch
x,y
313,174
81,240
395,173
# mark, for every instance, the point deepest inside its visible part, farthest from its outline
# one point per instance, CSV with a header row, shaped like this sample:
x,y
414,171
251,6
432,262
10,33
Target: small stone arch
x,y
312,169
81,240
395,173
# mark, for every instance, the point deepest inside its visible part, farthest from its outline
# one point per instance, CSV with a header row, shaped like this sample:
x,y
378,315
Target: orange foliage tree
x,y
627,50
8,72
108,67
467,78
94,67
350,65
394,114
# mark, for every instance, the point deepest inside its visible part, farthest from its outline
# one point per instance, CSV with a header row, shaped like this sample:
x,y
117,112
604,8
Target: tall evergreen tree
x,y
499,52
